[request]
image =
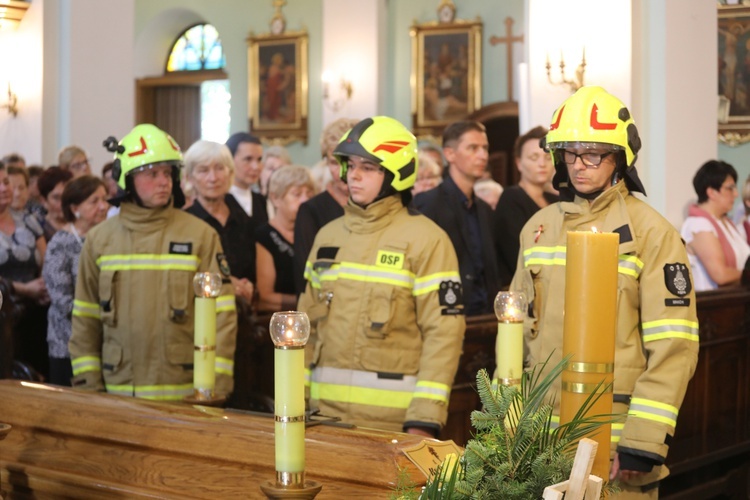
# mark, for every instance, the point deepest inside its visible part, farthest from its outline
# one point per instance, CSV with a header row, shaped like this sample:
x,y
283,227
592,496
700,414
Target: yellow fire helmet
x,y
145,145
386,142
590,117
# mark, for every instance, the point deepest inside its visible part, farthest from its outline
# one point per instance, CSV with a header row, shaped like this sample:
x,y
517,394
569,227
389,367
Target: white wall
x,y
353,47
675,99
603,28
72,69
21,64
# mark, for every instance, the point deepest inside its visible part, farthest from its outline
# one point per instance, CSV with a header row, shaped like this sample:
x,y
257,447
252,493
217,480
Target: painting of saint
x,y
277,84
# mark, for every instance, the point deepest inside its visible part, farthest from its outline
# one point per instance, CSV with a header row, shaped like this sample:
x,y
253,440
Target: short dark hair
x,y
14,158
50,178
16,170
455,130
535,133
712,174
107,167
35,170
238,138
77,191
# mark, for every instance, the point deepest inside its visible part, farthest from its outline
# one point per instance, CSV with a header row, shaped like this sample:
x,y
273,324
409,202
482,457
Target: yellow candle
x,y
204,356
509,353
289,400
510,309
589,330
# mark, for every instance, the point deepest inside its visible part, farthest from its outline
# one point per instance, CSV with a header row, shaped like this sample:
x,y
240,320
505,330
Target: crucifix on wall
x,y
508,40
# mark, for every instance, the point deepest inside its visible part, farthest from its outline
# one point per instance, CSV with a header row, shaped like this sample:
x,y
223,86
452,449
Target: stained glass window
x,y
197,48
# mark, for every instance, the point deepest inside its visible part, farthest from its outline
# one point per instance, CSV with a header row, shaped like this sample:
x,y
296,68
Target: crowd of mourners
x,y
267,212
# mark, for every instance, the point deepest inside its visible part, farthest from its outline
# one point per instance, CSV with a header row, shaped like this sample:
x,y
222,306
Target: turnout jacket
x,y
387,324
133,313
656,346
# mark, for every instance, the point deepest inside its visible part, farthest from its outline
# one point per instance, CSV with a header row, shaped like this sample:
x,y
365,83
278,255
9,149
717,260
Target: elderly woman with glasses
x,y
717,250
74,159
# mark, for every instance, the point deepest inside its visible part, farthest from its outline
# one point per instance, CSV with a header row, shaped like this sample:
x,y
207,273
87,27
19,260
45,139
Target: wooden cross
x,y
508,39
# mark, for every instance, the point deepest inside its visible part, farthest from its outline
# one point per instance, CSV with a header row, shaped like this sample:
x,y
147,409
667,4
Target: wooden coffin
x,y
69,444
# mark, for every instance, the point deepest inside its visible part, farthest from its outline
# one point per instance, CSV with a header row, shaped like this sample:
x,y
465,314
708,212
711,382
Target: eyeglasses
x,y
590,160
730,187
79,165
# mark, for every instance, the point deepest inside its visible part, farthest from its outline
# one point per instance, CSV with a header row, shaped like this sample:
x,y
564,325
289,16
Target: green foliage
x,y
515,452
406,489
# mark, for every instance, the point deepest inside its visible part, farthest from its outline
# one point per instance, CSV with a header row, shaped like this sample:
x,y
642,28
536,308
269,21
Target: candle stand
x,y
207,287
289,331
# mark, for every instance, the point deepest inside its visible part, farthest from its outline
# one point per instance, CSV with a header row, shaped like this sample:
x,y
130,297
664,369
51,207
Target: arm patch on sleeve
x,y
677,279
221,259
450,296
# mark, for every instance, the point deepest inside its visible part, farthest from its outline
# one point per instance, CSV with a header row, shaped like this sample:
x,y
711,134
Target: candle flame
x,y
594,230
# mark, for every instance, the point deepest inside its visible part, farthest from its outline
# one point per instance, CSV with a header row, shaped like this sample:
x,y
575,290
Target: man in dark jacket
x,y
466,218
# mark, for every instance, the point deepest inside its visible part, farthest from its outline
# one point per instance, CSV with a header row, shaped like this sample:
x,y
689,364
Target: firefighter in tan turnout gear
x,y
134,301
383,294
594,143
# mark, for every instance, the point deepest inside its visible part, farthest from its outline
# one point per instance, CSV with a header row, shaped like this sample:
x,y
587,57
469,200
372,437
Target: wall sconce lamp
x,y
343,95
11,13
575,83
12,104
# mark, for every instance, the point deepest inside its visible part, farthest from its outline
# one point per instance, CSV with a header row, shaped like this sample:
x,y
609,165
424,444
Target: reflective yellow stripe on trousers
x,y
366,388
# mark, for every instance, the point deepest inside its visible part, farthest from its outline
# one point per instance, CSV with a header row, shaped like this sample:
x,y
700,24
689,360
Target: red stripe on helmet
x,y
557,122
391,146
174,146
141,151
595,124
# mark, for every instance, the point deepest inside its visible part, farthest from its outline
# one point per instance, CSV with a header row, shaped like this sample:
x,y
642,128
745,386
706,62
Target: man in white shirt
x,y
247,152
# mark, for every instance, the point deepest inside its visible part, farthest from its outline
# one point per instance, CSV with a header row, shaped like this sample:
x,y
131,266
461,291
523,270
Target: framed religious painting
x,y
734,73
277,86
446,76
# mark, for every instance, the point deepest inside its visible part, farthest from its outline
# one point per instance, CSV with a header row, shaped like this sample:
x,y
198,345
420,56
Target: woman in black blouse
x,y
289,187
518,203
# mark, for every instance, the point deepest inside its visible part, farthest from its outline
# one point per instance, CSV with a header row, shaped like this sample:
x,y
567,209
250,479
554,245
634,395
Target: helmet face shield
x,y
384,141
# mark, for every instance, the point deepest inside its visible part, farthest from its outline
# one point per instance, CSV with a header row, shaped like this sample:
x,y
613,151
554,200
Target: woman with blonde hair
x,y
75,160
209,168
290,186
326,206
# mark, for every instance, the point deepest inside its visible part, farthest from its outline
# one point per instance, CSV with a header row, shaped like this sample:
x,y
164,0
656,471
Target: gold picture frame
x,y
277,86
733,107
446,76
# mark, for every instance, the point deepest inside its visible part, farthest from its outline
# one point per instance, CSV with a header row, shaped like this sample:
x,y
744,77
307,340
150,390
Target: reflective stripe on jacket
x,y
383,298
657,330
134,301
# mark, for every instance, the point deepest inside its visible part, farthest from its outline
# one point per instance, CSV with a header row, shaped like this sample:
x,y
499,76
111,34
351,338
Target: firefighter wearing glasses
x,y
594,142
383,294
133,308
